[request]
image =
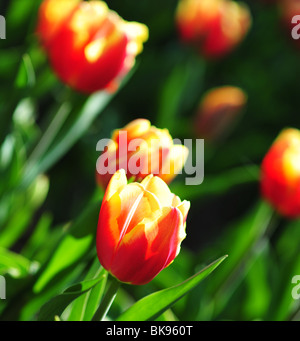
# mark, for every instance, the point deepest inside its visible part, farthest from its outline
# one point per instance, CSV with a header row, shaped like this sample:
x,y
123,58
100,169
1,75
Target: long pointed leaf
x,y
57,305
84,308
151,306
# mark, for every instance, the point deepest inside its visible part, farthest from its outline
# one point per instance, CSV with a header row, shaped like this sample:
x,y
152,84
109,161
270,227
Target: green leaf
x,y
73,248
283,307
39,237
257,281
68,126
153,305
22,206
68,135
180,91
14,264
171,96
242,241
57,305
26,76
84,308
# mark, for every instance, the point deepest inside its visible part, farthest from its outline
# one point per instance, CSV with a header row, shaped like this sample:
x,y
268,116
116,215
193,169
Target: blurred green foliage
x,y
49,201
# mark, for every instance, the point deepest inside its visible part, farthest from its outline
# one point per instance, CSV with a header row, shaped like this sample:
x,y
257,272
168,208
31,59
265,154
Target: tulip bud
x,y
140,229
280,174
141,149
90,47
218,110
215,27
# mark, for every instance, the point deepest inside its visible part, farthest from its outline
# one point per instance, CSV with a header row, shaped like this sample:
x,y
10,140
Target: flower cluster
x,y
141,225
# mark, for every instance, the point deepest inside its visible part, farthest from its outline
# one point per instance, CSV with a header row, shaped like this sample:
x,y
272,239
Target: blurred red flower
x,y
89,46
280,174
215,27
218,110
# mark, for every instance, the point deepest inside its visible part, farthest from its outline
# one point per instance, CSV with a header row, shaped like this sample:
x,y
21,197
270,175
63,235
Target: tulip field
x,y
149,161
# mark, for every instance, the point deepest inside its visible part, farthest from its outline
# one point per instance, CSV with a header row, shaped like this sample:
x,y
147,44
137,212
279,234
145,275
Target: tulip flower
x,y
215,27
280,174
218,110
140,229
141,149
90,47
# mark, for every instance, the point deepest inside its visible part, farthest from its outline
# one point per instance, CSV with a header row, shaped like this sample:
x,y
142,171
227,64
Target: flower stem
x,y
107,301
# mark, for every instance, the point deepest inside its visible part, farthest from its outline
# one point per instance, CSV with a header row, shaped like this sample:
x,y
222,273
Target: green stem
x,y
107,301
50,134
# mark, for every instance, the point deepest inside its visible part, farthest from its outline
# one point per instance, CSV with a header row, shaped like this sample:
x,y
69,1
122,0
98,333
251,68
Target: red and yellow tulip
x,y
215,27
218,110
89,46
153,152
280,174
140,229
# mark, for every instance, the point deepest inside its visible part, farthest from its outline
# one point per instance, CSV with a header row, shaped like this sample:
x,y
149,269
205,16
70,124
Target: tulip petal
x,y
157,186
148,248
117,182
176,201
137,204
122,209
174,163
137,34
52,14
134,129
131,197
184,209
108,233
280,174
